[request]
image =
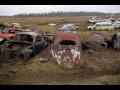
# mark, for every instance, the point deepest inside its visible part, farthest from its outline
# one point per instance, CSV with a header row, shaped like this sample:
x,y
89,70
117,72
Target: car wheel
x,y
89,28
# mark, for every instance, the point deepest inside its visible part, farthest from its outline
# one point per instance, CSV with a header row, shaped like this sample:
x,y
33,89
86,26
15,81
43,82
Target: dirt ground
x,y
102,68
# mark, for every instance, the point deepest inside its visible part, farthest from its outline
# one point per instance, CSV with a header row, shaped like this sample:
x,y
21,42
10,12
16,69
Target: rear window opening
x,y
67,42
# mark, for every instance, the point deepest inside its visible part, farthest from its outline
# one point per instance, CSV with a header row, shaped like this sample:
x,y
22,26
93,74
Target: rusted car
x,y
67,50
24,46
96,39
8,28
68,27
114,41
5,38
4,41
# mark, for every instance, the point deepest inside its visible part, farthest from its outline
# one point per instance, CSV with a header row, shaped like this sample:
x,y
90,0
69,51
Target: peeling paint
x,y
67,50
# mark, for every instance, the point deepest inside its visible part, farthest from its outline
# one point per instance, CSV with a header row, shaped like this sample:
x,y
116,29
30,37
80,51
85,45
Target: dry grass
x,y
103,66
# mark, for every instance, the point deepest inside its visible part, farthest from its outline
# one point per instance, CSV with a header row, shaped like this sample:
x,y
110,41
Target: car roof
x,y
103,23
33,33
67,36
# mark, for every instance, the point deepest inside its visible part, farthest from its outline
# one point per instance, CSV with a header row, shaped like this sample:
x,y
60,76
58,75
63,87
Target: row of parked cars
x,y
66,47
20,45
102,24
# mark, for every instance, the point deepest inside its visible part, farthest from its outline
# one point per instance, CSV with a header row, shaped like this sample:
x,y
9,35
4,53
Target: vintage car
x,y
23,46
67,50
114,41
101,26
96,39
116,24
5,40
9,28
70,27
95,20
16,25
7,25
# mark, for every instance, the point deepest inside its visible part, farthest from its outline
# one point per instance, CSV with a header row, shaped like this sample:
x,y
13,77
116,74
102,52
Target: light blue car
x,y
116,24
68,27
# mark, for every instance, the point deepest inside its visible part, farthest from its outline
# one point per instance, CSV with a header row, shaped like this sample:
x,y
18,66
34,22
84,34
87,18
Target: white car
x,y
16,25
101,26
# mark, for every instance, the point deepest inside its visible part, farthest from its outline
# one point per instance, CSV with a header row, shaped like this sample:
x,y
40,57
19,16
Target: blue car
x,y
68,27
116,25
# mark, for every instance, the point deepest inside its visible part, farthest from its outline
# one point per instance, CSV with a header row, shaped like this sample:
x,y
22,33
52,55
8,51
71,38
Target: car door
x,y
38,44
98,26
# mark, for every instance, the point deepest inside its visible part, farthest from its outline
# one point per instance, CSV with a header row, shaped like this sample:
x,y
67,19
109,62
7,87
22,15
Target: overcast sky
x,y
16,9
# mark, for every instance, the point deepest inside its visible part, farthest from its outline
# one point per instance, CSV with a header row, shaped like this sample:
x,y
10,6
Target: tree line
x,y
61,14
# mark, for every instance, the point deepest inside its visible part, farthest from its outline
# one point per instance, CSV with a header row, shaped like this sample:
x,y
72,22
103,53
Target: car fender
x,y
104,44
25,54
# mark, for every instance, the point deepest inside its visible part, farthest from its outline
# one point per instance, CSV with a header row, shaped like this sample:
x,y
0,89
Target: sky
x,y
17,9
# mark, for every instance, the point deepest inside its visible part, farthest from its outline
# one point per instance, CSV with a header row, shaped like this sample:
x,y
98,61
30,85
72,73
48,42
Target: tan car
x,y
101,26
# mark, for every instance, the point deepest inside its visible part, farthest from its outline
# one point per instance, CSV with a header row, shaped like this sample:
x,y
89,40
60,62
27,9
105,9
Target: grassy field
x,y
103,66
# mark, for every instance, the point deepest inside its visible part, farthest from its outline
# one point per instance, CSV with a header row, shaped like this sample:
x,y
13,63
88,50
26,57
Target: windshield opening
x,y
67,42
24,37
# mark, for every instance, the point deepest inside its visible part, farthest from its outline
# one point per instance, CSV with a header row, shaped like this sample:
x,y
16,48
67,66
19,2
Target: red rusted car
x,y
96,39
6,35
67,50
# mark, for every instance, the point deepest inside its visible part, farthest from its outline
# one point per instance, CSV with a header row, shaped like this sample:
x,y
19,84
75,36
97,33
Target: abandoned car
x,y
101,26
70,27
115,41
116,24
9,28
23,46
94,20
3,42
16,25
67,50
96,39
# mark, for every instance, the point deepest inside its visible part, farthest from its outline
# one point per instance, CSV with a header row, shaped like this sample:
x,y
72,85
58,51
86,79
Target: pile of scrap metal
x,y
67,50
23,46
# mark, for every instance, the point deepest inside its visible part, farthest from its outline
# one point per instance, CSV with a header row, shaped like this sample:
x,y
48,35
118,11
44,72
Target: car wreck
x,y
68,27
5,40
24,46
96,39
115,41
67,50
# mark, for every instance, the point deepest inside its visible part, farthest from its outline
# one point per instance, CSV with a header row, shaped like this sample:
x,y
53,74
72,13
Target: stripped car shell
x,y
67,50
115,41
24,46
4,41
96,39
